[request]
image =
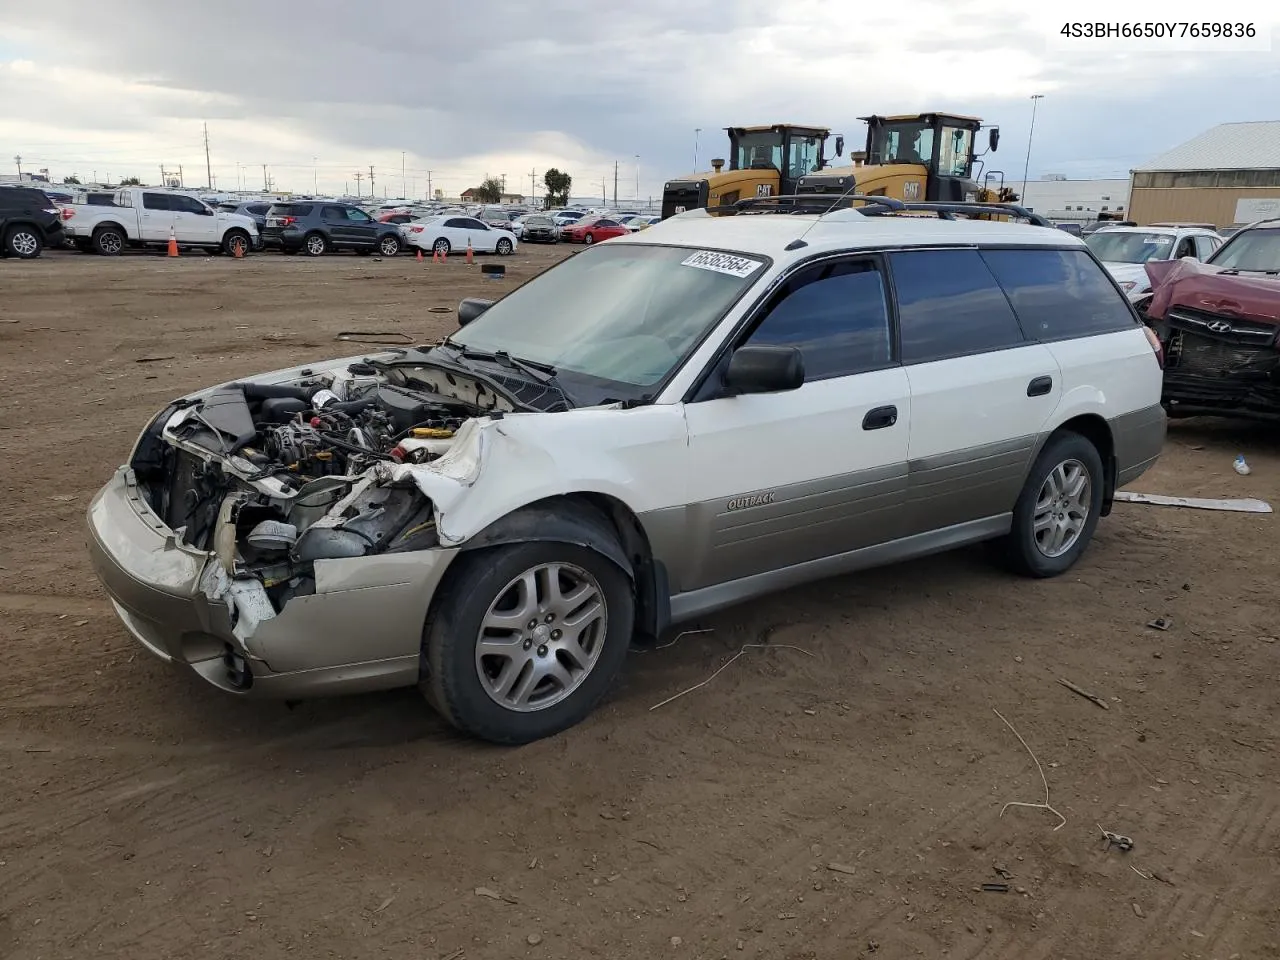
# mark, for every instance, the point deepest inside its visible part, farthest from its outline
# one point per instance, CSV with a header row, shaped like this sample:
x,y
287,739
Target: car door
x,y
483,238
981,392
336,224
155,219
362,227
779,479
193,221
1185,247
456,231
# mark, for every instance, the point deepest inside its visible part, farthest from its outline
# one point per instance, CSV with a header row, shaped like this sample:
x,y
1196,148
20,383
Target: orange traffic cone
x,y
419,254
444,254
173,243
470,256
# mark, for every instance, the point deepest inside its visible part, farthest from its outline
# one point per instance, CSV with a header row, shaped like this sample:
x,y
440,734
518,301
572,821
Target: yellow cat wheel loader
x,y
764,161
918,157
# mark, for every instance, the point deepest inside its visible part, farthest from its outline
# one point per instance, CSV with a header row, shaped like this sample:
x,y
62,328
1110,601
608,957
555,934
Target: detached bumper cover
x,y
360,631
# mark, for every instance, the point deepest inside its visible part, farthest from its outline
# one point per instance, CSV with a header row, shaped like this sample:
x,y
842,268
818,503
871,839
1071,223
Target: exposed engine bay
x,y
271,477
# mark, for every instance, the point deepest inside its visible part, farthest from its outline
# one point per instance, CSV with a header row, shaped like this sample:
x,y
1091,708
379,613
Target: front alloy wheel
x,y
541,637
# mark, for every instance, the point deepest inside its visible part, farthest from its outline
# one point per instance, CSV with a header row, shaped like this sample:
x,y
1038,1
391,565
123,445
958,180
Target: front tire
x,y
236,243
589,239
315,245
505,247
1057,512
525,639
441,246
23,242
389,246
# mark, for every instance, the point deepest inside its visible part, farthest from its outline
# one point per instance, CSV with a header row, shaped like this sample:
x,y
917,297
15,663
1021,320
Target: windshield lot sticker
x,y
723,263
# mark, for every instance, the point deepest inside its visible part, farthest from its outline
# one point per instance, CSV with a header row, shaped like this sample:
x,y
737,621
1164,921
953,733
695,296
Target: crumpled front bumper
x,y
360,631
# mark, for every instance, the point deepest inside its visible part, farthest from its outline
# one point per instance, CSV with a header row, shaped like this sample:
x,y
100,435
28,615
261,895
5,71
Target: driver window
x,y
803,157
1186,248
953,152
359,216
836,313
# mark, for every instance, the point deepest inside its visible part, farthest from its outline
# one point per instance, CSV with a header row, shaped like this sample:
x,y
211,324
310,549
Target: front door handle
x,y
879,418
1039,387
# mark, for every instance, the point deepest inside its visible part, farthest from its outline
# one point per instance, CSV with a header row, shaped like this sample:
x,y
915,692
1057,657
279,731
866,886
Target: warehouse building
x,y
1227,175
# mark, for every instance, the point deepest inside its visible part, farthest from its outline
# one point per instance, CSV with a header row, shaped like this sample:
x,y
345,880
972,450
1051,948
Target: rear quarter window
x,y
1059,294
289,210
949,305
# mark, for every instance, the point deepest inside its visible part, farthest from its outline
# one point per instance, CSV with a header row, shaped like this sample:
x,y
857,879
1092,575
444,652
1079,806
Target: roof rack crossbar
x,y
947,211
805,203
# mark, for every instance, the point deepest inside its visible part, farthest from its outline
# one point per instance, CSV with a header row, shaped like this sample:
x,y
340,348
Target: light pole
x,y
315,175
1030,133
637,179
403,192
696,131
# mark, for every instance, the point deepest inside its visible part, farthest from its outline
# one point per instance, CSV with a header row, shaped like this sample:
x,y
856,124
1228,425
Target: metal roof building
x,y
1228,174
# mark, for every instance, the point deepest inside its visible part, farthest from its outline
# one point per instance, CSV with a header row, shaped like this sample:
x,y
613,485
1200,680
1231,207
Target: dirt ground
x,y
836,795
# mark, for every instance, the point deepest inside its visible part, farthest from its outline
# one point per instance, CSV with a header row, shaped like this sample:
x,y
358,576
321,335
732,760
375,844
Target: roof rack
x,y
948,211
804,203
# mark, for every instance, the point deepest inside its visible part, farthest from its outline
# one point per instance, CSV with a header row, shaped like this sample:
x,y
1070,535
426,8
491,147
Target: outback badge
x,y
755,500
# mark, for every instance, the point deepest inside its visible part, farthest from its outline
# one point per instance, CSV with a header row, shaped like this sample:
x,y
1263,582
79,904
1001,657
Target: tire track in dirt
x,y
55,604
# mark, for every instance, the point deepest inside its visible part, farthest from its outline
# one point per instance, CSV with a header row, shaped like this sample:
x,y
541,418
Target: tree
x,y
557,185
72,179
488,192
130,182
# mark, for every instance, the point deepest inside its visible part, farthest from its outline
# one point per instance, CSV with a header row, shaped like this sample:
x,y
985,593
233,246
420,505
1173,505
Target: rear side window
x,y
257,209
1059,293
949,305
289,210
155,201
1205,247
836,314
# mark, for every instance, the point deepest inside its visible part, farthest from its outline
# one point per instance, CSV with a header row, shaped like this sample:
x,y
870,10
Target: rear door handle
x,y
1039,387
879,418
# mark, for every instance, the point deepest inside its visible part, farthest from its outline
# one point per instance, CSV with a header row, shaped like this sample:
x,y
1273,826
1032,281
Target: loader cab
x,y
941,143
763,161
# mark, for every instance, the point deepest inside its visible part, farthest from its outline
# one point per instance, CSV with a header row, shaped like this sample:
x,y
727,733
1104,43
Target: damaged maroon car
x,y
1219,324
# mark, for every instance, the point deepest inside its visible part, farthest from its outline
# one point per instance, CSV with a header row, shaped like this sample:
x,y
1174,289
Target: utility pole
x,y
208,166
1030,134
430,196
637,179
604,191
533,185
696,131
404,192
504,188
359,176
315,174
615,183
18,161
371,181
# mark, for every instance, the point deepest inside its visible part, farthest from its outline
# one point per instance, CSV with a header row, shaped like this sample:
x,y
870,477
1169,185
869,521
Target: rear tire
x,y
389,246
108,241
315,245
23,242
1057,512
464,685
589,239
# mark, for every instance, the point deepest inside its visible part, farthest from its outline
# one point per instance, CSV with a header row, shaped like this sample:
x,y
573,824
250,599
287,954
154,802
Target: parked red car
x,y
592,230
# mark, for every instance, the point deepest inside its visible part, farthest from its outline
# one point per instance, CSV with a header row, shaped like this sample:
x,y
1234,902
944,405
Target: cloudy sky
x,y
321,89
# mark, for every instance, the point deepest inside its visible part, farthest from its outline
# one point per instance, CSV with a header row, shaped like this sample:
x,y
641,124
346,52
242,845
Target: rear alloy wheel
x,y
108,241
24,242
1058,509
315,245
389,245
526,639
441,246
589,238
505,247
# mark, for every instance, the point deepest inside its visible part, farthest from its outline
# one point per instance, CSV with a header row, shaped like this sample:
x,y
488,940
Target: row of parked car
x,y
109,222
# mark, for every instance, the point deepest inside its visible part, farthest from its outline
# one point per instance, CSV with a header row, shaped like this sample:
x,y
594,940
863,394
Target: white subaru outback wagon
x,y
656,428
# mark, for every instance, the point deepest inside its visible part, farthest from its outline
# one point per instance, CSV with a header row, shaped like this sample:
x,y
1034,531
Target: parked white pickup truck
x,y
143,216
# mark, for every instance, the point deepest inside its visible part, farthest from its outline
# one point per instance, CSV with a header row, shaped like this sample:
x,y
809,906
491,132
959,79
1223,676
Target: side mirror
x,y
470,308
993,139
840,146
763,369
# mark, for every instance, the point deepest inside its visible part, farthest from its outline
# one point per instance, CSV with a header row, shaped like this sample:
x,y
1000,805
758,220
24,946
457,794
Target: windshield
x,y
758,151
1250,250
902,143
615,319
1113,246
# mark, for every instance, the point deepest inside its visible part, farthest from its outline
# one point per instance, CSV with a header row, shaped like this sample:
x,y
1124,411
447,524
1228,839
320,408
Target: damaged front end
x,y
1220,330
293,488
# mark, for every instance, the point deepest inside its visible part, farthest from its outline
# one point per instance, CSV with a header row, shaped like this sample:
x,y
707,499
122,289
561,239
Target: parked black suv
x,y
29,222
318,227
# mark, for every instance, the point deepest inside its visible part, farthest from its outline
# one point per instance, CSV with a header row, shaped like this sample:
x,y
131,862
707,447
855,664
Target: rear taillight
x,y
1156,345
67,213
285,221
416,229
